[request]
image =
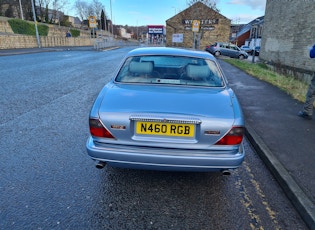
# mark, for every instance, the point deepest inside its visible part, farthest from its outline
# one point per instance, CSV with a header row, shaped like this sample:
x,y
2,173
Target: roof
x,y
205,10
248,26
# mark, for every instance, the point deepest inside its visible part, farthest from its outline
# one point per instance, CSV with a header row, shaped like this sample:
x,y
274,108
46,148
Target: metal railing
x,y
104,43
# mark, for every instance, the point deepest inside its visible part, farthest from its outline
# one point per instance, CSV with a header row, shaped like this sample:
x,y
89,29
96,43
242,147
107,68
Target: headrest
x,y
141,67
194,71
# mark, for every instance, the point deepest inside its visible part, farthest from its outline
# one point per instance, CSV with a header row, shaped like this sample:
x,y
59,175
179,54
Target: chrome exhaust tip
x,y
226,172
100,164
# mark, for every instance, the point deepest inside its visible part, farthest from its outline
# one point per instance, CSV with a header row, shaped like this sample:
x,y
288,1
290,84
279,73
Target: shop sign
x,y
202,28
155,29
202,21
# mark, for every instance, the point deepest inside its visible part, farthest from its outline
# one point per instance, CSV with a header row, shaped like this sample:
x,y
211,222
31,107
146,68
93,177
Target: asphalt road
x,y
48,182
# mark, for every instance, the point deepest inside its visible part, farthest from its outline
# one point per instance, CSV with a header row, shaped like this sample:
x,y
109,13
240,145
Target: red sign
x,y
152,29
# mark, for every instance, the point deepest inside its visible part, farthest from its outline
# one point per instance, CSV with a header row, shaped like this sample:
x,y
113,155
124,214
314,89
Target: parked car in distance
x,y
167,109
247,49
257,50
226,49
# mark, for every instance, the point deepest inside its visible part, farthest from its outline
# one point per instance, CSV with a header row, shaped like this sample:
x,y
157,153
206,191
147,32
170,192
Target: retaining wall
x,y
23,41
56,37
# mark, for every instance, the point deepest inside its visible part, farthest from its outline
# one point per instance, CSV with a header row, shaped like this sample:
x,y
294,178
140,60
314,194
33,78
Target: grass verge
x,y
295,88
20,26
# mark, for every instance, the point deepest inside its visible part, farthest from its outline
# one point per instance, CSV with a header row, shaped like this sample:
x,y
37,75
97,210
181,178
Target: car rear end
x,y
167,126
188,140
212,48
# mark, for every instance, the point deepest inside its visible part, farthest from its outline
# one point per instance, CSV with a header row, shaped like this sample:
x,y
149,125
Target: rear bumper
x,y
164,158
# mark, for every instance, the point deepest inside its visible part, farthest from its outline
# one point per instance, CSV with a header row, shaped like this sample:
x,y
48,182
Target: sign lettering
x,y
202,21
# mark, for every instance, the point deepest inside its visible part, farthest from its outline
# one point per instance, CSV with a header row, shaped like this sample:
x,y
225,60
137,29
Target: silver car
x,y
226,49
167,109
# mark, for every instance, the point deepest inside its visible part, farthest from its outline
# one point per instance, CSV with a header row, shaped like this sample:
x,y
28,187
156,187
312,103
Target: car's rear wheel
x,y
217,53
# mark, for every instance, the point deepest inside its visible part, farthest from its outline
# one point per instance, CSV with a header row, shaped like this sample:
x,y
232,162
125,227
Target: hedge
x,y
75,33
24,27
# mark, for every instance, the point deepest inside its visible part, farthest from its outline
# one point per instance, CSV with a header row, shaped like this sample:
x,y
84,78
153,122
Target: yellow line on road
x,y
260,193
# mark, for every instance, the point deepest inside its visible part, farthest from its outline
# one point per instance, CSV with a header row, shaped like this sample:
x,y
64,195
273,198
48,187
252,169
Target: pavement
x,y
6,52
284,141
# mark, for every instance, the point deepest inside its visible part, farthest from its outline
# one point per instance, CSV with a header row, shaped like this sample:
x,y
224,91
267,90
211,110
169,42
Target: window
x,y
171,70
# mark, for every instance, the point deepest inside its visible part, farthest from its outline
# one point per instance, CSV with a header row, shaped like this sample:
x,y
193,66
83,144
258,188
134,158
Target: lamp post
x,y
111,16
254,47
22,17
255,38
35,22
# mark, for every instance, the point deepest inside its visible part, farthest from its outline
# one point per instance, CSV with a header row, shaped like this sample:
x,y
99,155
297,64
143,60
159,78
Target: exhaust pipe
x,y
100,164
226,172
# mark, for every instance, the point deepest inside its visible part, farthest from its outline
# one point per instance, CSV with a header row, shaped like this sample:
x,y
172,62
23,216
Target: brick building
x,y
289,31
214,27
249,32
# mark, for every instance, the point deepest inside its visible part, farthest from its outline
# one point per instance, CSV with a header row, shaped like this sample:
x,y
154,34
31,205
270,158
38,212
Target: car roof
x,y
144,51
226,43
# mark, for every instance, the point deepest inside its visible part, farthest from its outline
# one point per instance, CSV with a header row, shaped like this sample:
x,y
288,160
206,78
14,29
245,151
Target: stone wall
x,y
214,27
23,41
4,26
289,31
56,37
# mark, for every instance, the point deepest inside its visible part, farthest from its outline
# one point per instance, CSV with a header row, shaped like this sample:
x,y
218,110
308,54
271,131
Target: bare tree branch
x,y
210,3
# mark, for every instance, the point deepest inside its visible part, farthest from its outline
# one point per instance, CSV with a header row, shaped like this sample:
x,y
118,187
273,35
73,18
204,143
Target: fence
x,y
102,43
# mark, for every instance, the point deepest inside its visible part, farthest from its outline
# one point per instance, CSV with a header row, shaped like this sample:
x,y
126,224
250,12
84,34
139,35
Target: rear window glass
x,y
175,70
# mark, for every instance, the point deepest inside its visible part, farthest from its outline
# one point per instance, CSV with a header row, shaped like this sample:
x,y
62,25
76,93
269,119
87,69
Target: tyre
x,y
241,57
217,53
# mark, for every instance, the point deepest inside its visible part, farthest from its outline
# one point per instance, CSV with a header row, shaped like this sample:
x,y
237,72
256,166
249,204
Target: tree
x,y
97,7
9,12
27,9
82,9
58,6
210,3
46,14
42,5
103,21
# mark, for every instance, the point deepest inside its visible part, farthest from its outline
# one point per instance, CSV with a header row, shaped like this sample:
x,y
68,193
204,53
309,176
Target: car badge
x,y
119,127
212,132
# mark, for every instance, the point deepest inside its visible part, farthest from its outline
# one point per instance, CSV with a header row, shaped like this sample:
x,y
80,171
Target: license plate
x,y
165,129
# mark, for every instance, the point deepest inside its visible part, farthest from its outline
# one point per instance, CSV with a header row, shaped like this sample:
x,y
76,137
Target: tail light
x,y
233,137
98,130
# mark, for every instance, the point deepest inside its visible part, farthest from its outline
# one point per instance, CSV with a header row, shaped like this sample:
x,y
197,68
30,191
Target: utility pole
x,y
256,26
254,47
35,22
21,10
111,16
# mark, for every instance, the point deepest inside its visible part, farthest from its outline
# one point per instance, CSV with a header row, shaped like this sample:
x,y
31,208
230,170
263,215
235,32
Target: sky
x,y
156,12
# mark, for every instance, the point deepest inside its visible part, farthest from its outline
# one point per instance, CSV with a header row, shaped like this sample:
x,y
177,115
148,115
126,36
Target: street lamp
x,y
255,38
22,17
35,22
111,17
